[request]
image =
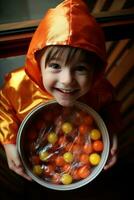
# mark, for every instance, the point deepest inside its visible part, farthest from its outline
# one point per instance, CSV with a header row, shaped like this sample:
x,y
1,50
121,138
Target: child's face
x,y
67,77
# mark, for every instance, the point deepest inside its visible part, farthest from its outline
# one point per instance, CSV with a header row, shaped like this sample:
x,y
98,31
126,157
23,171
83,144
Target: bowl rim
x,y
97,169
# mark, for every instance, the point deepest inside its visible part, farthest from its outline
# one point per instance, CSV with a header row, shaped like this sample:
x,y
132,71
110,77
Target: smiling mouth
x,y
67,91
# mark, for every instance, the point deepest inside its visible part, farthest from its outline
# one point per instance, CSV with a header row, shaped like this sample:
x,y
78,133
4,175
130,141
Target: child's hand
x,y
113,154
13,160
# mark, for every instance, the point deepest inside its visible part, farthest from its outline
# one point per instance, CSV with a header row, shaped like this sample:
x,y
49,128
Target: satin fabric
x,y
17,98
70,23
20,95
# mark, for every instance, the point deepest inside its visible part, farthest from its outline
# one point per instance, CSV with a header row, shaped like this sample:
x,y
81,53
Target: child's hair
x,y
57,51
67,25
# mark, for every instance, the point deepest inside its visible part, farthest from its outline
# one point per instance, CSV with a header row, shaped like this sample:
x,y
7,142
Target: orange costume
x,y
70,23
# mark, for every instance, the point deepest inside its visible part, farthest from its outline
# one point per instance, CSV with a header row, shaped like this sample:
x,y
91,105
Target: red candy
x,y
60,145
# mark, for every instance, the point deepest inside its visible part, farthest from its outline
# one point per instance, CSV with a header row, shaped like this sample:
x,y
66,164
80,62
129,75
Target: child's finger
x,y
114,145
21,172
18,169
111,162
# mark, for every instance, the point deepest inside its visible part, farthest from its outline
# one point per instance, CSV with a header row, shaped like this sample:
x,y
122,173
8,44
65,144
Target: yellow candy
x,y
68,157
67,127
37,170
43,155
95,134
94,158
66,179
52,138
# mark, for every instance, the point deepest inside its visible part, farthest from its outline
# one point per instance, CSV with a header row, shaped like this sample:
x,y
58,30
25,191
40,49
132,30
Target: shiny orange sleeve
x,y
8,119
17,98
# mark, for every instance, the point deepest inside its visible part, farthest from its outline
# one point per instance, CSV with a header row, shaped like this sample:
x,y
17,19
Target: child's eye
x,y
81,69
54,65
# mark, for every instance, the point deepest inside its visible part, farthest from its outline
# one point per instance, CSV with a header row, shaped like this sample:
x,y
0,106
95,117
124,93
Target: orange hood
x,y
70,23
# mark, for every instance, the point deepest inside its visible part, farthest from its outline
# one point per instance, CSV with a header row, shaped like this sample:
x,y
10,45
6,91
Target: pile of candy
x,y
63,146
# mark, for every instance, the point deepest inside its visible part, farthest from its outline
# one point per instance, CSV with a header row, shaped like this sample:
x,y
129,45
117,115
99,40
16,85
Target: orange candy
x,y
98,145
71,152
84,171
66,167
75,174
83,129
84,159
59,161
88,148
76,148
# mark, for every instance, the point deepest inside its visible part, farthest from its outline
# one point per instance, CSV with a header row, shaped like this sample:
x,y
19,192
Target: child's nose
x,y
66,76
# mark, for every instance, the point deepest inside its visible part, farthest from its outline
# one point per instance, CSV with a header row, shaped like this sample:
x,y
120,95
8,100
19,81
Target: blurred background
x,y
19,19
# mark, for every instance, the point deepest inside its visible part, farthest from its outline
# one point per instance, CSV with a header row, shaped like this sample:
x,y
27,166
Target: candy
x,y
52,138
84,171
44,155
98,145
95,134
66,179
67,127
68,157
37,169
94,158
67,149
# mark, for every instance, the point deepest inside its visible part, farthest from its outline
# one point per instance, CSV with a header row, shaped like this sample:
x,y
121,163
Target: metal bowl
x,y
37,115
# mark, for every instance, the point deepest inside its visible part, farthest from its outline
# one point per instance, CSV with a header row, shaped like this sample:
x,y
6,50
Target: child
x,y
65,61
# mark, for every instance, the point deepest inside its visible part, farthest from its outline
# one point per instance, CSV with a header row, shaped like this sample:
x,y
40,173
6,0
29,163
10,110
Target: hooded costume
x,y
71,24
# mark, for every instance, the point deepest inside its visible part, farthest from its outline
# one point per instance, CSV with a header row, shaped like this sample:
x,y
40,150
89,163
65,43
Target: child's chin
x,y
65,103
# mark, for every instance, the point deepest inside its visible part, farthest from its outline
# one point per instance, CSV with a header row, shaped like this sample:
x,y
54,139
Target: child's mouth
x,y
67,91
